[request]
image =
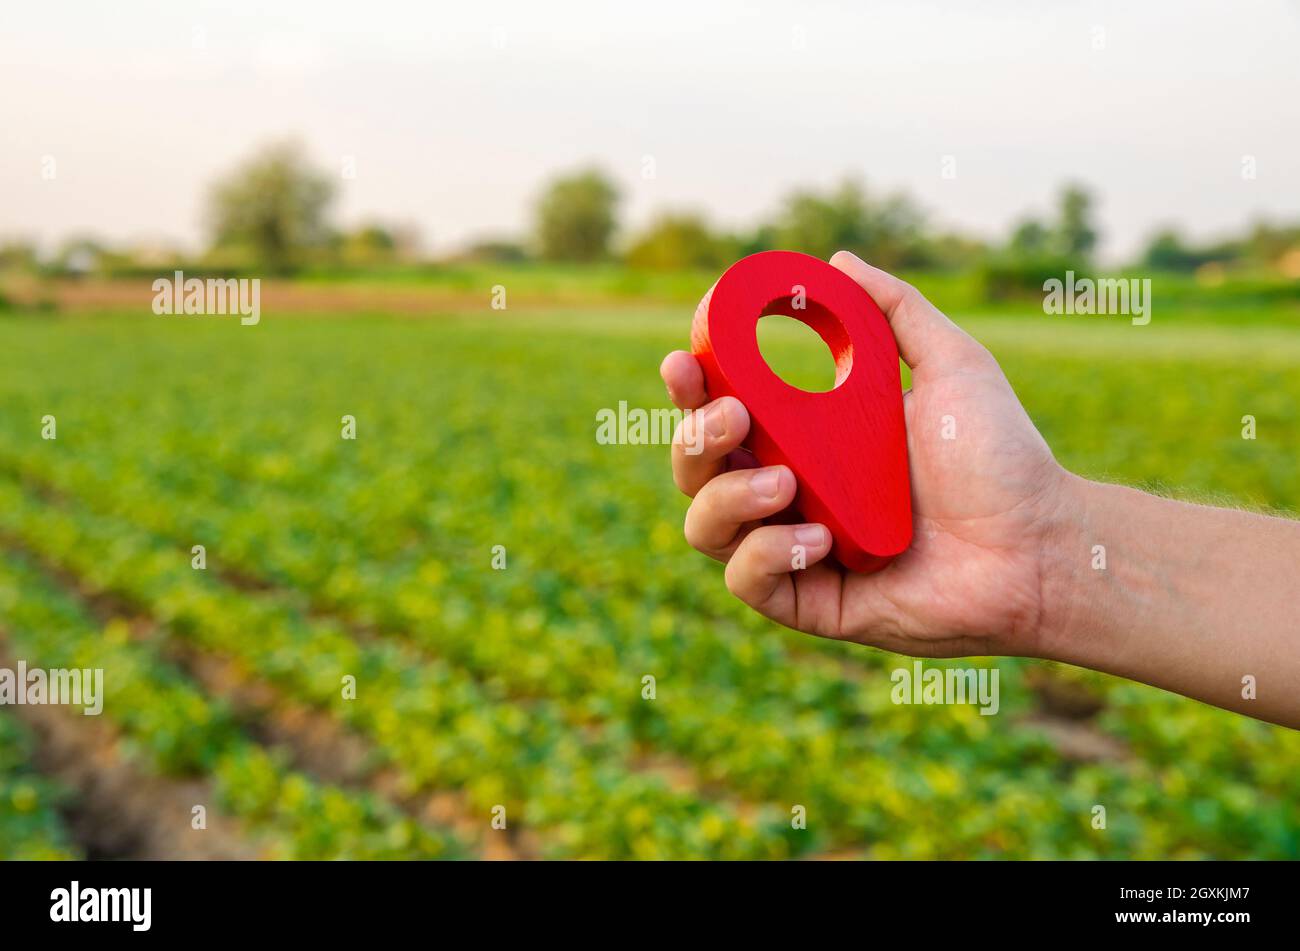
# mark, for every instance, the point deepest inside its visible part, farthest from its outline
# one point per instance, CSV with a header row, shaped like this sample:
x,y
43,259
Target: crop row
x,y
174,729
432,722
30,824
873,788
384,548
802,734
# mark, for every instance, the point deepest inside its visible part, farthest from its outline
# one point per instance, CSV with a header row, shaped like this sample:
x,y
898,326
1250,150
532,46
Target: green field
x,y
521,688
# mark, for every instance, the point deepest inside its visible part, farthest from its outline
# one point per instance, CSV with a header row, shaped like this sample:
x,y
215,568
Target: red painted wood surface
x,y
848,446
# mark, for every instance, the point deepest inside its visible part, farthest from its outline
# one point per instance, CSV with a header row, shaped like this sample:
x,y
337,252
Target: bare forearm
x,y
1185,597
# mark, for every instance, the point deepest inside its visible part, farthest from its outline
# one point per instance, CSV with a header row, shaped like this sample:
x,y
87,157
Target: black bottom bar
x,y
335,900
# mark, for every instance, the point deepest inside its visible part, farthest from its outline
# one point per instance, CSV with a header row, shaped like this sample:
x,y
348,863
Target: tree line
x,y
273,212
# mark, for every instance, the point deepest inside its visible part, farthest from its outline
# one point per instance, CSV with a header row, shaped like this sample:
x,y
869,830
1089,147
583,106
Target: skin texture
x,y
1193,599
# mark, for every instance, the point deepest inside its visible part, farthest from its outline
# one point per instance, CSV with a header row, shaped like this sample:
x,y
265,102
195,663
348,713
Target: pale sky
x,y
455,114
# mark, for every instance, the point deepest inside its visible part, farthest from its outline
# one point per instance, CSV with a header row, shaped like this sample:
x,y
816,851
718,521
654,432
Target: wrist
x,y
1185,598
1075,589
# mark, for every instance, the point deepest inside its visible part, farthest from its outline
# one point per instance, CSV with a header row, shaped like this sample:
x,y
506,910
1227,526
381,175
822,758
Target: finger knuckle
x,y
691,529
683,483
684,432
733,576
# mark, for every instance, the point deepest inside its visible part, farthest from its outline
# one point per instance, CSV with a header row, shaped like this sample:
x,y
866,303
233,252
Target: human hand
x,y
986,497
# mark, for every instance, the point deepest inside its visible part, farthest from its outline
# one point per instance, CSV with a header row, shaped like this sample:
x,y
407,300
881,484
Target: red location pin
x,y
848,446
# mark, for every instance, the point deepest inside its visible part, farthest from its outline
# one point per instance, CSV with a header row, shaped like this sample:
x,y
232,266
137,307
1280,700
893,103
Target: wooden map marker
x,y
848,446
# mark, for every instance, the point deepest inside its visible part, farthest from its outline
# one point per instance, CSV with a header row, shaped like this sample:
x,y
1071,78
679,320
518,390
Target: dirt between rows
x,y
316,743
116,811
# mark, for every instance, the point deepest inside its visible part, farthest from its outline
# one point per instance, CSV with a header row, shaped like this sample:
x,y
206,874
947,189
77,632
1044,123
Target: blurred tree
x,y
1076,234
495,251
273,207
1030,237
1037,251
954,251
374,238
888,232
576,217
819,224
78,256
1071,237
370,244
761,238
1267,243
1167,251
681,240
18,256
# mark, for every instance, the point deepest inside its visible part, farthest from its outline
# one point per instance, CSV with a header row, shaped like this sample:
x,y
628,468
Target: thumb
x,y
919,327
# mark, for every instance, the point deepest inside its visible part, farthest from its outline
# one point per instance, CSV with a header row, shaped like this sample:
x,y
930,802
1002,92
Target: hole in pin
x,y
795,342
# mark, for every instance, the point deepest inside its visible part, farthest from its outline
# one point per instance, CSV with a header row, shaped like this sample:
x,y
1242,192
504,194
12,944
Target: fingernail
x,y
766,483
715,421
814,536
